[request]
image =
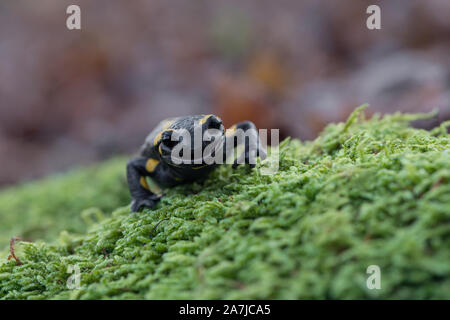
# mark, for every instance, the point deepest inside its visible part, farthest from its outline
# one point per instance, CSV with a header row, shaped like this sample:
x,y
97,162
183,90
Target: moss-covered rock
x,y
364,193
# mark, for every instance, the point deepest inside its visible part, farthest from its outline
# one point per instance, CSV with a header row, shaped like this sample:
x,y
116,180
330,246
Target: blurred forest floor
x,y
76,97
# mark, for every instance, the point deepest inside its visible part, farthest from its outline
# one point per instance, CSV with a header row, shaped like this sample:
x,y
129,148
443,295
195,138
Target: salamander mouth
x,y
197,157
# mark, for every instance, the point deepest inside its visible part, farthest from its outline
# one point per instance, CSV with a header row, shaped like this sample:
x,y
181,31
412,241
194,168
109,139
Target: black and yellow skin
x,y
155,157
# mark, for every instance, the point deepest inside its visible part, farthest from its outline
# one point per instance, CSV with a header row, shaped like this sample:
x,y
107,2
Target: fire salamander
x,y
159,161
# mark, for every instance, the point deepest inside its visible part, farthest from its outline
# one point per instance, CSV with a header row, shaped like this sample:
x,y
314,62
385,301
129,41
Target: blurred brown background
x,y
71,98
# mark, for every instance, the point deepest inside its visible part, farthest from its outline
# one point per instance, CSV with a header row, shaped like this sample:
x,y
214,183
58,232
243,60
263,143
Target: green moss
x,y
366,192
42,209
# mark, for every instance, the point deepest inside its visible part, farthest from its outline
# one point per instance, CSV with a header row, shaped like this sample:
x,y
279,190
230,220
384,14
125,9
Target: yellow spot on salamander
x,y
157,138
230,131
144,183
151,165
205,118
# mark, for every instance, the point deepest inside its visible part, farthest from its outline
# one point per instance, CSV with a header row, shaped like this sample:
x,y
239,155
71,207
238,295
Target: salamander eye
x,y
213,123
167,140
170,144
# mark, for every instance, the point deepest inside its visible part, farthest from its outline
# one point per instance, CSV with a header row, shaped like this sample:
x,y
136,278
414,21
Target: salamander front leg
x,y
141,196
247,134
